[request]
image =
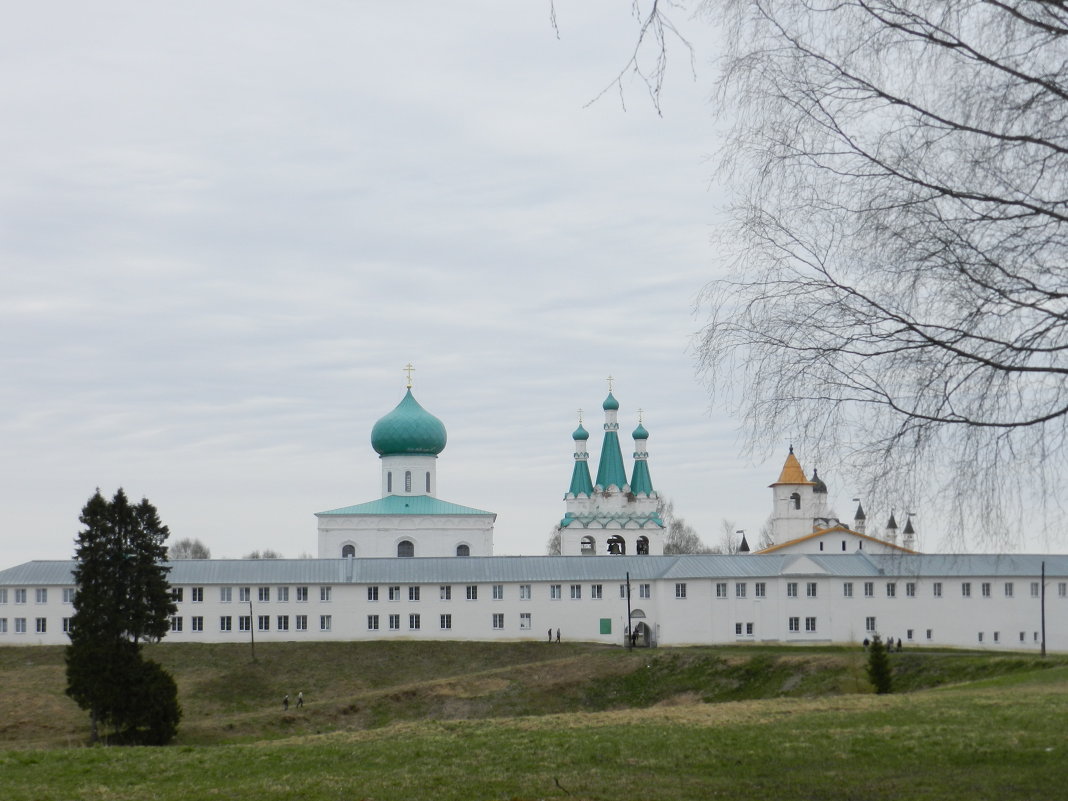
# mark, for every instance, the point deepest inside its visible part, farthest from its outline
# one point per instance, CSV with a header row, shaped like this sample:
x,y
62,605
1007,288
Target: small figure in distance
x,y
300,699
285,702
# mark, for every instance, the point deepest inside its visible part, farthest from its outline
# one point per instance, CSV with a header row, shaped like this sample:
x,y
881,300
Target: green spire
x,y
610,471
640,482
580,479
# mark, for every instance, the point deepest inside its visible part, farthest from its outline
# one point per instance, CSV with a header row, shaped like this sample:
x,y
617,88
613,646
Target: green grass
x,y
525,721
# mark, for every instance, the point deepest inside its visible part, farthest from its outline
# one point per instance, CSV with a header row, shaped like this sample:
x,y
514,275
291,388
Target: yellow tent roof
x,y
792,472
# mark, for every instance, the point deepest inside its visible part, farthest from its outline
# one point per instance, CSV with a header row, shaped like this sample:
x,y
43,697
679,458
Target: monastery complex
x,y
412,565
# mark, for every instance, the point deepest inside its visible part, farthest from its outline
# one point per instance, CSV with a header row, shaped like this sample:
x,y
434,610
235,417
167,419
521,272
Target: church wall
x,y
972,611
378,537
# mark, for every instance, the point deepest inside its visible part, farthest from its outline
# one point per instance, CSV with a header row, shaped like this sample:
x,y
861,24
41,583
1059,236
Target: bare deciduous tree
x,y
899,291
680,537
552,546
188,548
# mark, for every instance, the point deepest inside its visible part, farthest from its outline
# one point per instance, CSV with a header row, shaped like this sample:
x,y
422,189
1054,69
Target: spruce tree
x,y
122,598
879,673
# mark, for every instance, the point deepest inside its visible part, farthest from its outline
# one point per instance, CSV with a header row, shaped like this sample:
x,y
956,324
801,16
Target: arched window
x,y
389,482
405,548
617,545
796,499
588,546
348,550
642,546
463,550
427,482
408,481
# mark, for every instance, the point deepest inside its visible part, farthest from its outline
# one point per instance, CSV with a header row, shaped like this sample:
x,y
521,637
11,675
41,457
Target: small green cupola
x,y
640,481
580,474
610,470
408,429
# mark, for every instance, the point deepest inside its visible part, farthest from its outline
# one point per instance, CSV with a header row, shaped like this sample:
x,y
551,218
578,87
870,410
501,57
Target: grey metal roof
x,y
562,568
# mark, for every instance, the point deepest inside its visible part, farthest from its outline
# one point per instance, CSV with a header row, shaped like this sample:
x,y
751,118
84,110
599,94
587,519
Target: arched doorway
x,y
641,635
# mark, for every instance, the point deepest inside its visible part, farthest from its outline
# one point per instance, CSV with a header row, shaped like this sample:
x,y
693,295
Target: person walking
x,y
285,702
300,699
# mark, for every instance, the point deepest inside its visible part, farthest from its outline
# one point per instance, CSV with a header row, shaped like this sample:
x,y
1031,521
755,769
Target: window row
x,y
244,594
40,595
281,622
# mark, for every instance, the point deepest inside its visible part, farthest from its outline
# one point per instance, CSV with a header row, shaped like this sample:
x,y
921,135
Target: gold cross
x,y
580,416
610,385
408,369
640,413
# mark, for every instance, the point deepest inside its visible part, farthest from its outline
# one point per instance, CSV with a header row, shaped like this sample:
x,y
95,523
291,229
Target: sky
x,y
225,229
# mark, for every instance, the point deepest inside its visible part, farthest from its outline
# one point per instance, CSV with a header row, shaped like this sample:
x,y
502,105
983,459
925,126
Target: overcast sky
x,y
226,227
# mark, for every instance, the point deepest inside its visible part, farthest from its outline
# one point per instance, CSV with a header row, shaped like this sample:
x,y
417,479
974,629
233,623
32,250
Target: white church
x,y
411,565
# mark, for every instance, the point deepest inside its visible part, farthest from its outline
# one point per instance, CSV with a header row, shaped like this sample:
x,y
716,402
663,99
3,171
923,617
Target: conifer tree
x,y
122,597
879,667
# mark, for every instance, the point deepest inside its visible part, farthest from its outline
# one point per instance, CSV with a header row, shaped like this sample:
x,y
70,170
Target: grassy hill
x,y
411,720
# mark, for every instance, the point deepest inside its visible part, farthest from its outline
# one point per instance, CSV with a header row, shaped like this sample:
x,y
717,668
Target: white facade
x,y
992,602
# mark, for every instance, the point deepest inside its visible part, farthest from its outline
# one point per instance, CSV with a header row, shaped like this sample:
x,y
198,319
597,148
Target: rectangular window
x,y
936,588
498,592
413,593
472,592
394,622
3,625
244,594
20,625
680,590
908,635
791,589
984,588
810,589
524,620
3,596
413,621
197,594
302,594
930,634
623,592
445,592
20,596
244,623
576,592
847,589
721,589
394,593
1062,589
1035,590
748,629
794,624
225,623
372,622
810,624
869,624
597,591
41,595
1023,636
42,625
966,589
226,594
300,622
524,592
1008,589
67,625
760,590
980,636
264,594
498,620
737,629
910,589
263,623
282,623
176,595
324,594
283,594
997,636
739,589
325,622
555,592
446,621
643,591
869,589
372,593
176,623
891,589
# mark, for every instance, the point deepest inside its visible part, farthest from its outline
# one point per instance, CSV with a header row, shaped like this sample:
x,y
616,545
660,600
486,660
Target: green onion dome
x,y
610,403
580,433
640,432
409,428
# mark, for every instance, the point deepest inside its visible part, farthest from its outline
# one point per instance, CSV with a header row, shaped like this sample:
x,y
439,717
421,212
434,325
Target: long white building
x,y
400,568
